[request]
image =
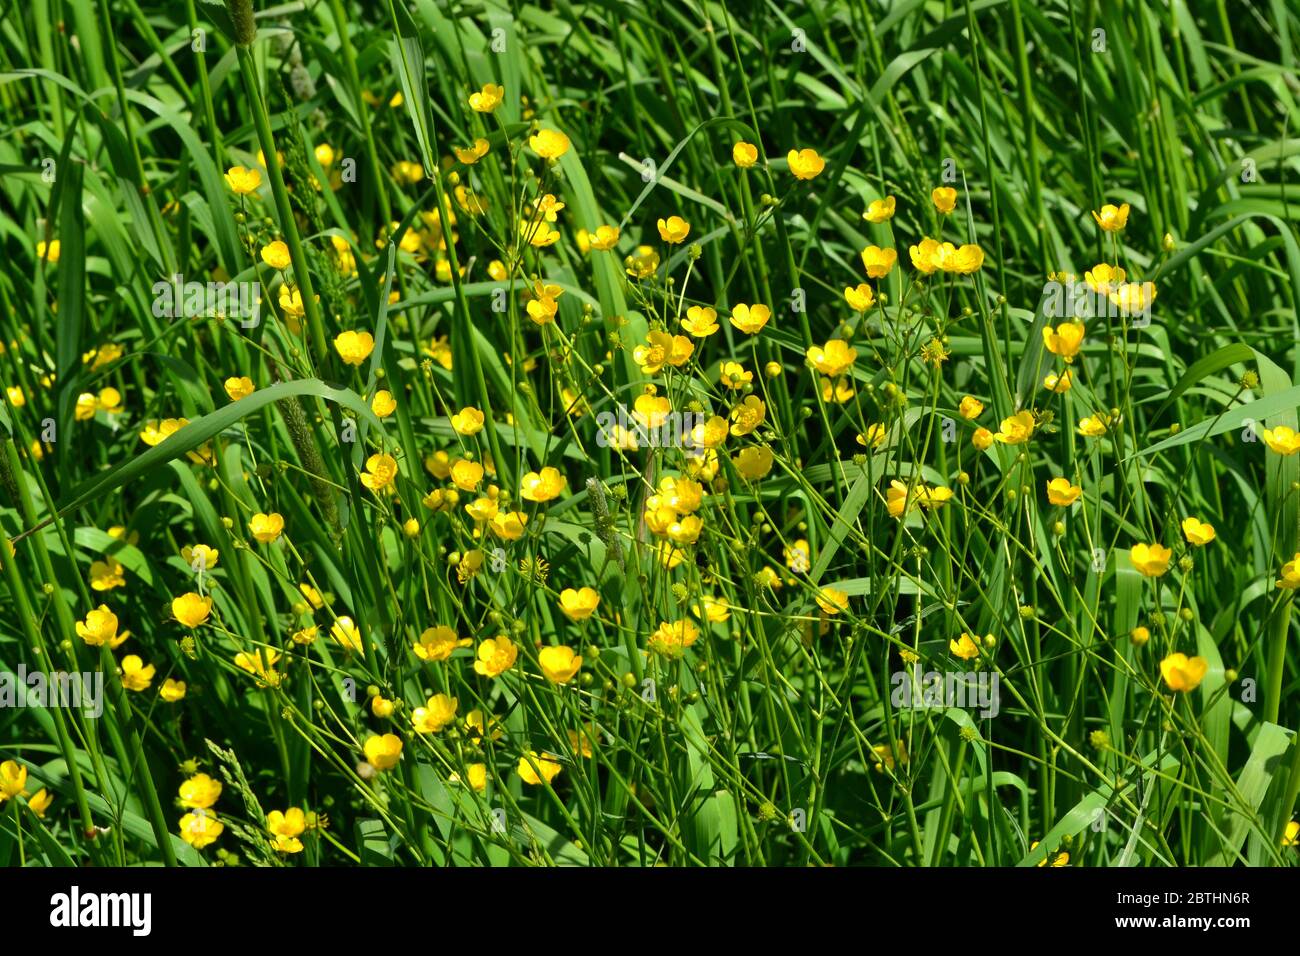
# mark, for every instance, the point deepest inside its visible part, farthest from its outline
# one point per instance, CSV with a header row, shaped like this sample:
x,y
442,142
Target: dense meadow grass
x,y
649,433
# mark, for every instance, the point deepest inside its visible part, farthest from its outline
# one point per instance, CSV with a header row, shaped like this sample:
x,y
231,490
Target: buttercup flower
x,y
750,319
1183,673
243,181
1152,560
805,163
549,143
944,199
266,527
487,99
354,347
744,154
578,605
495,657
1112,218
1061,493
191,609
559,664
1197,532
383,751
674,229
880,210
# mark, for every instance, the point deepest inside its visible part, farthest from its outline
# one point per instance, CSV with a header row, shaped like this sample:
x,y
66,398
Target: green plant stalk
x,y
289,225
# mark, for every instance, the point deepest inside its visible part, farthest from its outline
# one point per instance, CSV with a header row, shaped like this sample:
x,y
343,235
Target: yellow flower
x,y
172,690
674,229
13,778
716,610
860,297
604,238
408,173
345,631
266,527
1061,493
85,407
874,436
1112,218
579,605
733,375
1060,384
383,751
243,181
99,629
305,636
532,764
1197,532
643,263
136,675
276,255
832,600
1092,427
672,638
487,99
438,712
200,557
1139,636
834,358
49,253
261,664
238,387
805,163
200,828
559,664
748,415
1133,297
1292,835
964,260
1103,278
1064,340
982,439
549,143
381,472
545,485
1281,439
383,404
469,155
437,643
754,462
466,474
925,255
496,655
880,210
285,828
970,407
107,574
1151,560
541,235
878,262
1057,859
1016,429
1290,579
354,347
662,349
190,609
1183,673
944,199
508,524
39,802
700,321
744,154
964,647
